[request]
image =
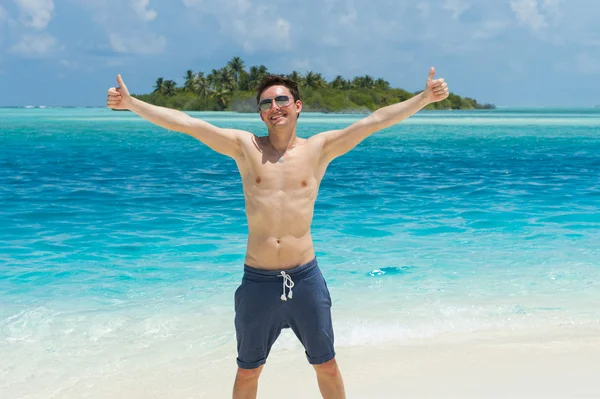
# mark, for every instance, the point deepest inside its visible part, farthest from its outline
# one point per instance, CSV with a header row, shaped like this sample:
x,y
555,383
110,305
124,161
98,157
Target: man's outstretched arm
x,y
224,141
339,142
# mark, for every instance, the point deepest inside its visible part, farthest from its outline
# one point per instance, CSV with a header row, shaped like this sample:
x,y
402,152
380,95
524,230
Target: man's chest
x,y
293,177
296,171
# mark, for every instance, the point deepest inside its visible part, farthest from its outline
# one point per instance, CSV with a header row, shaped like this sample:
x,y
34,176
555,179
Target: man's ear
x,y
298,107
261,116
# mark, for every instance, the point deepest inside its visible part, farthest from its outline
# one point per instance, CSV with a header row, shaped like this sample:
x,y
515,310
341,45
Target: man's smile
x,y
277,117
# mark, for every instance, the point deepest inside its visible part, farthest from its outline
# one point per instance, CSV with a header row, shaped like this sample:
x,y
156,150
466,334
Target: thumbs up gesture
x,y
435,89
118,97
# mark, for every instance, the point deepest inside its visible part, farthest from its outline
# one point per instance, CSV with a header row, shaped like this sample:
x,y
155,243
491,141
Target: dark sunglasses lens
x,y
282,100
265,105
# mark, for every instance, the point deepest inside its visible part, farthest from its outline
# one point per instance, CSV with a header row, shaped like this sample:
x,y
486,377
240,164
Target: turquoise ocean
x,y
121,243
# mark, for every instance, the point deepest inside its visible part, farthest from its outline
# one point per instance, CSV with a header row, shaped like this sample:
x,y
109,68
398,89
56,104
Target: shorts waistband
x,y
295,272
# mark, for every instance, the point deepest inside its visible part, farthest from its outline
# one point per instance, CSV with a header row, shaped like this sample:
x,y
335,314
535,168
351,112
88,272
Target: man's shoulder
x,y
320,138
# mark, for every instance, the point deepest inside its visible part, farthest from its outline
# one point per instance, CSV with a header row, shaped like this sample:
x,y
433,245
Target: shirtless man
x,y
281,173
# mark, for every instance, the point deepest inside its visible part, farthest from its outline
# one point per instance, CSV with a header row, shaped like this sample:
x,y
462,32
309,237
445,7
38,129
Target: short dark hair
x,y
276,80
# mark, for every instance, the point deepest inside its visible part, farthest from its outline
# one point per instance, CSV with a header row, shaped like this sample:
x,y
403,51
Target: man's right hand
x,y
119,98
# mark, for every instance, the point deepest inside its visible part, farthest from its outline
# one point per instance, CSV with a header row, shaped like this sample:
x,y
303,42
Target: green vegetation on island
x,y
232,88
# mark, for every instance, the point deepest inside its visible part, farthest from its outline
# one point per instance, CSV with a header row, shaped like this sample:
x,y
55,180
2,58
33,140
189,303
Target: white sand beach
x,y
563,363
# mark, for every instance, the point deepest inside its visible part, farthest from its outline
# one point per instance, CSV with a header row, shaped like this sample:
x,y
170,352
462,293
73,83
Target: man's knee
x,y
249,374
327,369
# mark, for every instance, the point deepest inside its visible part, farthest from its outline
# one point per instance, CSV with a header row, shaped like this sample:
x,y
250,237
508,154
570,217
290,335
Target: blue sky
x,y
506,52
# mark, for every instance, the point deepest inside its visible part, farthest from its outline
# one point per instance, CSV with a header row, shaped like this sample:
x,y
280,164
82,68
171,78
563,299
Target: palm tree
x,y
159,85
338,83
221,96
321,80
296,77
382,84
313,80
244,80
213,79
169,87
253,78
201,85
227,79
368,82
237,67
189,81
262,70
361,82
257,74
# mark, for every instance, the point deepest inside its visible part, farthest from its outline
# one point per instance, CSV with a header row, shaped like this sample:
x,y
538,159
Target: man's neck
x,y
282,140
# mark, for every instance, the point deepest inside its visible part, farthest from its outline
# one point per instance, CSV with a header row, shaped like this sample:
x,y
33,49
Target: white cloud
x,y
489,29
74,65
254,26
29,32
255,39
591,42
528,14
424,8
144,44
242,5
553,22
456,7
127,30
516,66
552,7
301,65
141,9
117,43
283,28
36,13
3,15
37,45
349,18
114,62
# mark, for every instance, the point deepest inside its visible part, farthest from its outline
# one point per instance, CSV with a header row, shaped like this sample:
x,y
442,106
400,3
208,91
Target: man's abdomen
x,y
286,252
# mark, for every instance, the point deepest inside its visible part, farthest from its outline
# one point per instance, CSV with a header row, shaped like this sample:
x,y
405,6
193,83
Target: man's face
x,y
280,112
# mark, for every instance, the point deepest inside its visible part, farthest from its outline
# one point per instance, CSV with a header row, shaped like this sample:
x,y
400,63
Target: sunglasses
x,y
281,101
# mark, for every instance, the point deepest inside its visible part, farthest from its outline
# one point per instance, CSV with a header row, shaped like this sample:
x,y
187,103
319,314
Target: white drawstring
x,y
287,282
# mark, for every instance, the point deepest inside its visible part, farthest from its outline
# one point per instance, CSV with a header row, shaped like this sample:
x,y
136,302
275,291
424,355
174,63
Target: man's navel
x,y
258,179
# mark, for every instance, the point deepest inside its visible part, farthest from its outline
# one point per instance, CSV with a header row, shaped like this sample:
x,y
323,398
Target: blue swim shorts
x,y
269,300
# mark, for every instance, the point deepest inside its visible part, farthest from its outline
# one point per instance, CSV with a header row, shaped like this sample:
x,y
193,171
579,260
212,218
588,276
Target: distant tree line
x,y
233,88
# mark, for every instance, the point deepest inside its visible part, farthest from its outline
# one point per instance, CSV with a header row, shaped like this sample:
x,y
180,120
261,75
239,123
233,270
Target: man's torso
x,y
280,200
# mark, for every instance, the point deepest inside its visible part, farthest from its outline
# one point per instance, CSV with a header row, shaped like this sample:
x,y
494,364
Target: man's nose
x,y
274,104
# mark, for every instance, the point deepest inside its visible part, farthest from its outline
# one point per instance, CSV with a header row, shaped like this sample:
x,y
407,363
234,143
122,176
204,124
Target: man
x,y
282,285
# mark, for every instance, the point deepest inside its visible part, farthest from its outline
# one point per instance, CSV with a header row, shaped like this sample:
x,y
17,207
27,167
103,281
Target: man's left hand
x,y
435,89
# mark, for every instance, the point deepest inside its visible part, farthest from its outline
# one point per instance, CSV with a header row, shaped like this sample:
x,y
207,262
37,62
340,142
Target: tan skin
x,y
280,197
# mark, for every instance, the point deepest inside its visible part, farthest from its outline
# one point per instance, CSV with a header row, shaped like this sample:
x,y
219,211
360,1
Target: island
x,y
232,88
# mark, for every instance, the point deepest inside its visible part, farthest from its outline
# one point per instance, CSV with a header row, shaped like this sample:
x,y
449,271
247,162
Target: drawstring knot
x,y
287,283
